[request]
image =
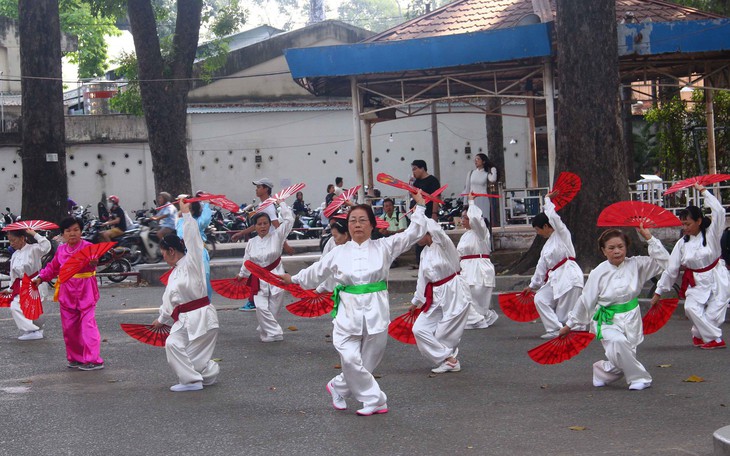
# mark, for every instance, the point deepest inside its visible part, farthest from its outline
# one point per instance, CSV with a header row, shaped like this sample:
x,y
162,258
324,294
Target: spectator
x,y
117,221
339,187
299,207
428,184
392,216
330,195
478,181
167,216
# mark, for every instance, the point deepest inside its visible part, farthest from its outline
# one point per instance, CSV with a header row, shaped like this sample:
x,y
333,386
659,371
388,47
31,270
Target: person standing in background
x,y
428,184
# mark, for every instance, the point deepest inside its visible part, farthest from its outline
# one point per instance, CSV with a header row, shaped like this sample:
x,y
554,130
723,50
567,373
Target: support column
x,y
435,142
533,141
710,120
369,156
355,95
549,90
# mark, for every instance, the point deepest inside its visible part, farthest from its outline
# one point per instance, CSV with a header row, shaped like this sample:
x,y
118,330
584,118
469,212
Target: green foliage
x,y
129,99
375,15
714,6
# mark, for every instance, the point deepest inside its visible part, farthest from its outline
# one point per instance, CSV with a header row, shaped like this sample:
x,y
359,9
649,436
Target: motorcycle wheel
x,y
115,266
222,237
135,256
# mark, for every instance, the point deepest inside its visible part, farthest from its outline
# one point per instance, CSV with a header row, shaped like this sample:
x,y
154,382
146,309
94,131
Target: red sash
x,y
429,291
255,284
560,263
688,278
188,306
473,257
15,286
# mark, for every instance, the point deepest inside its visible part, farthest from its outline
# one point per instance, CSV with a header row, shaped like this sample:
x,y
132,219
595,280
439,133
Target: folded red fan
x,y
705,180
519,306
81,259
220,201
36,225
634,213
393,182
30,299
381,224
567,185
147,334
482,195
312,307
401,328
659,315
560,349
231,288
5,300
436,193
339,200
164,278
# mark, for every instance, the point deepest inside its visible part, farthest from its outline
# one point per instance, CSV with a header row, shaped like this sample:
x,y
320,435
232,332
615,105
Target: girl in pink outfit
x,y
77,299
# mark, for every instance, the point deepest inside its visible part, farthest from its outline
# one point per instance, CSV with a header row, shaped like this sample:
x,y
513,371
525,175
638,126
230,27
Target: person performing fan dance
x,y
26,259
265,250
444,298
476,267
610,297
77,298
706,282
557,277
361,267
185,305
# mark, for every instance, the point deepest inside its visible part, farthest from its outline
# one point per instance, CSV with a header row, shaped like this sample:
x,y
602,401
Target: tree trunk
x,y
589,137
164,87
45,189
495,148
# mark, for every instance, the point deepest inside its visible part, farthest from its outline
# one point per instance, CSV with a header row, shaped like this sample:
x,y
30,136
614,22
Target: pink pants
x,y
83,341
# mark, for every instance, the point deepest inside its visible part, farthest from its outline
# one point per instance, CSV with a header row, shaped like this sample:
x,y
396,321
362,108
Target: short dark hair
x,y
368,210
196,209
338,180
388,200
540,220
610,234
420,164
256,217
330,186
339,225
172,241
68,222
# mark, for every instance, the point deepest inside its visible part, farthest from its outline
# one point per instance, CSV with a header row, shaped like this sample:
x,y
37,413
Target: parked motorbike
x,y
115,262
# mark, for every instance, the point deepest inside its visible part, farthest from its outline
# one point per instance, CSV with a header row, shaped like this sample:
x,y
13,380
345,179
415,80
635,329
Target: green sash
x,y
604,315
355,289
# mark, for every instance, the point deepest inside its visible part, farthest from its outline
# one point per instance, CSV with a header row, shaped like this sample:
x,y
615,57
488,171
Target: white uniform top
x,y
28,260
438,261
608,284
477,181
329,284
187,283
557,247
357,264
265,250
692,254
476,271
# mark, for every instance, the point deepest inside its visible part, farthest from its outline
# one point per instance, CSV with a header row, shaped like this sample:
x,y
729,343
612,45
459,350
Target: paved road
x,y
271,398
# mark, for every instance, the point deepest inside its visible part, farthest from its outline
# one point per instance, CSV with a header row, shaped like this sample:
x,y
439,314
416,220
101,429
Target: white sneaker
x,y
373,410
447,367
481,324
549,335
32,335
598,383
492,318
638,386
338,402
180,387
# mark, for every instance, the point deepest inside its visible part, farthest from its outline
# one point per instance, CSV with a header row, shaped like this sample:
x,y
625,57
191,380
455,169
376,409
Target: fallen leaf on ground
x,y
664,365
577,428
337,366
217,360
292,328
112,381
543,386
272,388
26,381
377,376
694,379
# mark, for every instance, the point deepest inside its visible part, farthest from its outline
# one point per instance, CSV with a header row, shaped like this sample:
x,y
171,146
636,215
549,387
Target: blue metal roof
x,y
516,43
653,38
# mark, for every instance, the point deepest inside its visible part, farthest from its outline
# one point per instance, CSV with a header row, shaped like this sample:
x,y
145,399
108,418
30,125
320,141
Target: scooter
x,y
114,262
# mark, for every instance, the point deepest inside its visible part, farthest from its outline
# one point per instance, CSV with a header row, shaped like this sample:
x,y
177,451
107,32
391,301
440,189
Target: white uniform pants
x,y
481,305
621,359
191,360
359,356
554,312
706,317
437,337
23,323
267,311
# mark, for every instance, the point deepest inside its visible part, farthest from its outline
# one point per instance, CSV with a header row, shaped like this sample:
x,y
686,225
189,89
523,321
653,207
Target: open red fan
x,y
705,180
147,334
659,315
164,278
30,299
560,349
519,306
272,279
81,259
387,179
5,300
381,224
287,192
567,185
401,328
231,288
483,195
220,201
36,225
312,307
339,200
634,213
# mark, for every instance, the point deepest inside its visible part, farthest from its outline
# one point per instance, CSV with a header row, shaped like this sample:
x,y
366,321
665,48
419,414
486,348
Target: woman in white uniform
x,y
558,279
444,297
476,267
186,306
610,299
360,267
706,282
265,250
25,260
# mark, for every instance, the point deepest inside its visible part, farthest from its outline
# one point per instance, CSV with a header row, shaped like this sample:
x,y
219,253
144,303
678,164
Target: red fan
x,y
231,288
30,299
264,204
634,213
381,224
519,306
659,315
81,259
36,225
339,200
436,193
147,334
560,349
287,192
220,201
312,307
164,278
566,187
393,182
272,279
342,216
485,195
5,300
401,329
707,179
